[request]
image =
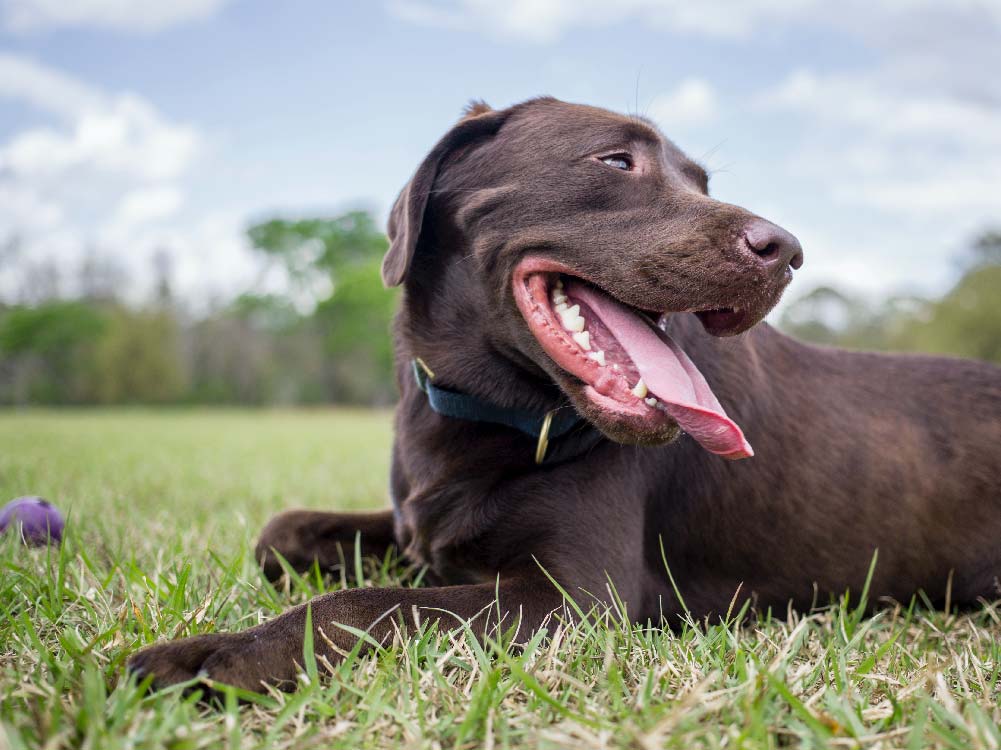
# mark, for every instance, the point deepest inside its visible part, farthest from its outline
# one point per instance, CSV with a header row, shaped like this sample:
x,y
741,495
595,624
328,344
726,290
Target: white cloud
x,y
693,102
871,102
100,171
45,88
125,136
126,15
22,208
144,205
902,168
546,20
928,194
121,134
210,257
874,141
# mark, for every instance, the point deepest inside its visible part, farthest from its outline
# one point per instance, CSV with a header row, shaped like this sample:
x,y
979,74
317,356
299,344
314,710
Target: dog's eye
x,y
619,161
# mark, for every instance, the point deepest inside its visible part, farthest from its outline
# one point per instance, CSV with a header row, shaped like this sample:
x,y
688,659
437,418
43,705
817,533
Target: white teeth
x,y
583,340
639,390
572,312
572,319
598,357
559,297
559,283
650,401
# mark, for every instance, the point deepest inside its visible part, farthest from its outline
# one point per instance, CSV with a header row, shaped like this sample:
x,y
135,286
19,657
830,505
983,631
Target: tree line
x,y
93,347
964,322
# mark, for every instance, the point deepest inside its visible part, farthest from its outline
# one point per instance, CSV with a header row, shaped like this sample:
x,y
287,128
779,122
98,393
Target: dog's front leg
x,y
272,653
305,537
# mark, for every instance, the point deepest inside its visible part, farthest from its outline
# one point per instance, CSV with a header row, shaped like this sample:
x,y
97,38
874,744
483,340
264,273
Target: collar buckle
x,y
554,424
543,444
424,366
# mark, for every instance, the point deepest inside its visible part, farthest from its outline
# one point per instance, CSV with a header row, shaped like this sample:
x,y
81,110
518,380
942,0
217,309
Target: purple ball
x,y
35,518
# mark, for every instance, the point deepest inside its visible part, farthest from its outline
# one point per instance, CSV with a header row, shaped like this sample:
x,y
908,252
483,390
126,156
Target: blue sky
x,y
872,130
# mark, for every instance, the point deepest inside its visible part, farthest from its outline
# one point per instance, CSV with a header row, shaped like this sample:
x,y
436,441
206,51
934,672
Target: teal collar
x,y
564,424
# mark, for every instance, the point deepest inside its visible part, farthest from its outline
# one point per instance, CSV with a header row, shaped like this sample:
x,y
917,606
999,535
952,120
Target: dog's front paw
x,y
291,536
227,658
303,537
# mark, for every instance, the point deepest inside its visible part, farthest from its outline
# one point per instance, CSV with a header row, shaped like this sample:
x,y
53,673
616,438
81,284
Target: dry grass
x,y
163,511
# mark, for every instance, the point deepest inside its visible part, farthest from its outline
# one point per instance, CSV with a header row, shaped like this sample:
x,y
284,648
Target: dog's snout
x,y
773,245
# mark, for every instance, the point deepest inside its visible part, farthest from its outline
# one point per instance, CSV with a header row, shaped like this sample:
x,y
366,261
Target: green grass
x,y
163,512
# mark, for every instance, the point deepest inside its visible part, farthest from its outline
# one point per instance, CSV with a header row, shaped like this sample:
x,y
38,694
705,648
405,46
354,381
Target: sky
x,y
872,130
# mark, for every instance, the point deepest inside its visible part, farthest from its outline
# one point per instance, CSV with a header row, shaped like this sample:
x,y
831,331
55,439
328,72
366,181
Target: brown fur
x,y
854,452
476,107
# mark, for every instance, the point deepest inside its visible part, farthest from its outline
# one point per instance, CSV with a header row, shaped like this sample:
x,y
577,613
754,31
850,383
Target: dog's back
x,y
855,452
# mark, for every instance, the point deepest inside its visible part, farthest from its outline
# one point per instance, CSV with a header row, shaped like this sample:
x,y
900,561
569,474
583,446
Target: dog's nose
x,y
775,246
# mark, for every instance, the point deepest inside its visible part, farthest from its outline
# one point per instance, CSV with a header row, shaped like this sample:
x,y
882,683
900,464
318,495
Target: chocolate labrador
x,y
579,367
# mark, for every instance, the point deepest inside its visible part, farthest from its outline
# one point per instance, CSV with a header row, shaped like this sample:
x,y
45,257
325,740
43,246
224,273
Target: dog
x,y
581,368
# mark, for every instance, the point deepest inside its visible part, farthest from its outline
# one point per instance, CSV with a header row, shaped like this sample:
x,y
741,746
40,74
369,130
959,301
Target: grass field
x,y
163,511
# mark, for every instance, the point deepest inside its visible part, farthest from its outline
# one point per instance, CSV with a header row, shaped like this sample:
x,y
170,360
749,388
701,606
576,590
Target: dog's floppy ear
x,y
407,216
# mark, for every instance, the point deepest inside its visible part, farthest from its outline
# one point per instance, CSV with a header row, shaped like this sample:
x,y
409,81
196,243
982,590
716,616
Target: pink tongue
x,y
670,375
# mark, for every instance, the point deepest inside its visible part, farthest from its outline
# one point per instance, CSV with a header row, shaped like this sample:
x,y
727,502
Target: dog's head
x,y
561,234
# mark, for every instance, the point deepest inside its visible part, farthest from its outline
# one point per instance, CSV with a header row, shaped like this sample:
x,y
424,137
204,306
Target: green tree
x,y
46,350
965,322
354,311
137,359
310,247
257,350
356,319
986,249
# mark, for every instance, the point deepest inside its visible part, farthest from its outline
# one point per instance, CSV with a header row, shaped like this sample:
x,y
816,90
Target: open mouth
x,y
631,369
